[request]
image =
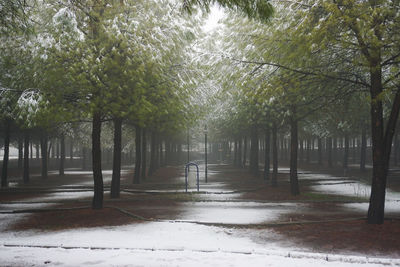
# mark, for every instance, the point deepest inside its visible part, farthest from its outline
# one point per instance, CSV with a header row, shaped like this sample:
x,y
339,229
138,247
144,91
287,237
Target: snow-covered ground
x,y
171,243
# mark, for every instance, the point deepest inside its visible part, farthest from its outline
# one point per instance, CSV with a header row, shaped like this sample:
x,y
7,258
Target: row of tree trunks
x,y
266,154
254,150
4,181
26,157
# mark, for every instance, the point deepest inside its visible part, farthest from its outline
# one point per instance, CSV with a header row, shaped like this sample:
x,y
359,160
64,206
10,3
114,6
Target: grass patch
x,y
328,197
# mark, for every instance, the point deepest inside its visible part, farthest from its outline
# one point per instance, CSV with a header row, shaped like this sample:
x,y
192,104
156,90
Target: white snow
x,y
157,244
236,212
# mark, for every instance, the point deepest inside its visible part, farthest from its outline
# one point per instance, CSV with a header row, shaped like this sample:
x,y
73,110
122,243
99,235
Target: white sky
x,y
213,18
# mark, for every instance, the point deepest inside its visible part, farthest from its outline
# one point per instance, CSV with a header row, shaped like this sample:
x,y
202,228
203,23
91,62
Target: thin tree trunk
x,y
71,149
363,154
274,180
44,151
138,162
320,151
235,153
116,174
20,152
346,153
97,202
294,182
254,151
144,154
245,152
240,153
4,170
37,150
153,153
266,153
84,158
396,150
26,157
62,155
329,151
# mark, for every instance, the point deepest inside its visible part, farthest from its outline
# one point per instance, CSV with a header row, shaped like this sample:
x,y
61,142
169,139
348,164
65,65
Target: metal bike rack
x,y
186,175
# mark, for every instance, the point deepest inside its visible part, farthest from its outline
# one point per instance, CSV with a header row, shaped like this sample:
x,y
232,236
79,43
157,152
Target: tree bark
x,y
320,151
294,182
144,154
138,162
346,152
4,169
381,144
97,202
116,174
153,153
329,151
274,180
26,157
244,152
20,152
62,155
363,150
71,149
235,153
84,158
43,149
266,153
254,151
240,152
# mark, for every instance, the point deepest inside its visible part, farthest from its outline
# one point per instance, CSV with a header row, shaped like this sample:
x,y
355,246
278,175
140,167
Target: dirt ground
x,y
323,230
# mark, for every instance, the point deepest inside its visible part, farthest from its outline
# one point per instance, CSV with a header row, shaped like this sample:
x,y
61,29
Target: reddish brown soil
x,y
346,237
70,219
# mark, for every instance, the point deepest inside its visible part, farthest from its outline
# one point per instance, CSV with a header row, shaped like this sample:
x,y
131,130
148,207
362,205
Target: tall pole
x,y
205,149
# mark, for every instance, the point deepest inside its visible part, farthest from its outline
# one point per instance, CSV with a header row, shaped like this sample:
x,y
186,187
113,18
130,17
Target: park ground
x,y
234,220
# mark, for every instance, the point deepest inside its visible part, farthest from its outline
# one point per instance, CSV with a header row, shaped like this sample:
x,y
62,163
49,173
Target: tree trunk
x,y
245,152
363,154
274,180
235,153
294,182
20,151
37,150
308,150
346,153
396,150
116,174
301,152
329,151
26,157
153,153
335,151
319,150
62,155
138,162
381,145
97,202
240,153
84,158
4,170
266,153
144,155
254,151
71,149
43,149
